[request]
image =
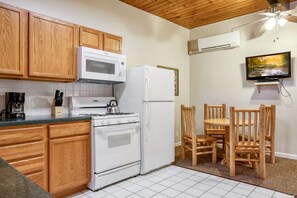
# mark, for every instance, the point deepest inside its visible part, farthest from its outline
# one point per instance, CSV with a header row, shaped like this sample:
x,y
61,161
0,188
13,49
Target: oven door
x,y
116,146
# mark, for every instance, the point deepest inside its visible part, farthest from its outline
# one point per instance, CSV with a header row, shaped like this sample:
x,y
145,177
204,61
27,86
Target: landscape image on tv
x,y
277,65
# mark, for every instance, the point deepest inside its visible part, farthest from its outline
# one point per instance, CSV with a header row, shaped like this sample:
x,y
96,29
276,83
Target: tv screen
x,y
268,67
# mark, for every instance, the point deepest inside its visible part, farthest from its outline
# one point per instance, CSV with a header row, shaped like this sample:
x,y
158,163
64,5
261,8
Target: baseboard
x,y
177,144
286,155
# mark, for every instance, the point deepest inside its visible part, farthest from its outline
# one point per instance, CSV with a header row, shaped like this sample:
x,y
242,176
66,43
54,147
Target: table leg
x,y
227,139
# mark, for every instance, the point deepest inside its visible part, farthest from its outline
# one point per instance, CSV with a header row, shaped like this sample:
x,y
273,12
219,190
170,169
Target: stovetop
x,y
106,114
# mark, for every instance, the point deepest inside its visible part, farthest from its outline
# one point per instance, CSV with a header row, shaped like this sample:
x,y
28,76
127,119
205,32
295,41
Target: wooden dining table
x,y
225,122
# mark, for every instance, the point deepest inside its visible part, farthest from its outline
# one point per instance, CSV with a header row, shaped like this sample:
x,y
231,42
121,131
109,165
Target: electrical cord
x,y
283,86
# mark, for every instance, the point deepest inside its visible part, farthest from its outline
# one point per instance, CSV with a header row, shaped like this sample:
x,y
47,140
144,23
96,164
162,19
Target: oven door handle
x,y
116,128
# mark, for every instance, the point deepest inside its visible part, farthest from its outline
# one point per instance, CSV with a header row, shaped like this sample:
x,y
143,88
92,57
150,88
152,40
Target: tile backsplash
x,y
39,95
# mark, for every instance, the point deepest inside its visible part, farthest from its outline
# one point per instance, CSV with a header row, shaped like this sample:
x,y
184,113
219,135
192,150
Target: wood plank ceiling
x,y
195,13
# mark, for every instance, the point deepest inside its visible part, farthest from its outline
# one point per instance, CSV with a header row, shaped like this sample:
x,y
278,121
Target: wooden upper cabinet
x,y
14,41
112,43
91,38
53,48
100,40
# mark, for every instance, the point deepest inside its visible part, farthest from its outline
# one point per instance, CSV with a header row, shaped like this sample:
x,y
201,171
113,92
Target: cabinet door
x,y
112,43
69,163
52,48
91,38
14,41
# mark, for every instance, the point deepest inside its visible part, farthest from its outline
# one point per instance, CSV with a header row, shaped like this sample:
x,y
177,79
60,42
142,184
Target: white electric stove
x,y
115,141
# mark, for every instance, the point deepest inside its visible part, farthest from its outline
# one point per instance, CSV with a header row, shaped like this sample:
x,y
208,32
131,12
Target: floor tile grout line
x,y
183,178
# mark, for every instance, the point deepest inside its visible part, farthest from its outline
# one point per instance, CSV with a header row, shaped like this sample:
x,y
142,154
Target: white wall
x,y
219,77
147,39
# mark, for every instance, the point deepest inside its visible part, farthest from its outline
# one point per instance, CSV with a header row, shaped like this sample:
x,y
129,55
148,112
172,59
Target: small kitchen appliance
x,y
100,66
115,141
14,105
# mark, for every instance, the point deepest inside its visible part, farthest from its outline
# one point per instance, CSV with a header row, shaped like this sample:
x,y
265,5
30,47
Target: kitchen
x,y
153,41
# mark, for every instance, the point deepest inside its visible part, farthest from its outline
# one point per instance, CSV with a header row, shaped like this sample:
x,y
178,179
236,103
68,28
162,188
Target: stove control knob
x,y
102,122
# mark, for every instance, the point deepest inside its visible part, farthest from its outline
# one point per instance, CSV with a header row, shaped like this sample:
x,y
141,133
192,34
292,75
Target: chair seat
x,y
201,139
217,132
205,138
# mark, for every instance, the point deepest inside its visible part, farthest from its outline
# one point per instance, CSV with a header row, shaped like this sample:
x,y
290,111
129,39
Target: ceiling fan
x,y
277,14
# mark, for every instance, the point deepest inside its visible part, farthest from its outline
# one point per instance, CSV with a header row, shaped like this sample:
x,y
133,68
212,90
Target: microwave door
x,y
100,68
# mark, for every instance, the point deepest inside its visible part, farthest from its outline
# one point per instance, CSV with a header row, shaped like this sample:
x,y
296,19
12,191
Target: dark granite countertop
x,y
15,185
42,119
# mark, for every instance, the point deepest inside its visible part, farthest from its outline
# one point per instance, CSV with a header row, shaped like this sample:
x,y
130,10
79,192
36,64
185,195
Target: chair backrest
x,y
212,112
270,113
188,123
247,127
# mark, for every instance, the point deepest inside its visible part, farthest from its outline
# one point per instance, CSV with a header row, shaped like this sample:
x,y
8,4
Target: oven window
x,y
100,67
119,140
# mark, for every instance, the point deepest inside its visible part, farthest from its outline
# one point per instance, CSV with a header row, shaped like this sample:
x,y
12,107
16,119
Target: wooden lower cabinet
x,y
69,156
54,156
25,148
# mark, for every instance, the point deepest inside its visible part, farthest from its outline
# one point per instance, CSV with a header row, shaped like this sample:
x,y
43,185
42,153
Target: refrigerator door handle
x,y
147,81
147,114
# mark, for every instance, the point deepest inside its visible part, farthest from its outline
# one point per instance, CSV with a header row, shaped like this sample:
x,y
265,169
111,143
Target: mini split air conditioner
x,y
218,42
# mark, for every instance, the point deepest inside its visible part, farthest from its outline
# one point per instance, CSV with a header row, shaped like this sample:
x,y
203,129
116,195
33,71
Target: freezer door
x,y
157,135
158,84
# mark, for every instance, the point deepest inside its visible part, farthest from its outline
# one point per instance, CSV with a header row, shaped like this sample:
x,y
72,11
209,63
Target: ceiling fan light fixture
x,y
270,24
282,21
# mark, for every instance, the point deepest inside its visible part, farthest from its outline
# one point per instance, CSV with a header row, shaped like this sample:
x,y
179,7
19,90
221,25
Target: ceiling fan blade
x,y
292,18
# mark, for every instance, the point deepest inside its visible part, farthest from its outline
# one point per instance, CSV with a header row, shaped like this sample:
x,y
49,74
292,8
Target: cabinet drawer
x,y
39,179
64,130
22,151
29,166
12,136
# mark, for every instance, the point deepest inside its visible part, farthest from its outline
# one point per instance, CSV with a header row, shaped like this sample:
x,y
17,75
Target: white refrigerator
x,y
149,91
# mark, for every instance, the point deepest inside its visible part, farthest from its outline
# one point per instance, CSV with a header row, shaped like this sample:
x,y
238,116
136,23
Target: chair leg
x,y
183,152
227,155
194,157
262,169
232,163
254,164
272,153
214,152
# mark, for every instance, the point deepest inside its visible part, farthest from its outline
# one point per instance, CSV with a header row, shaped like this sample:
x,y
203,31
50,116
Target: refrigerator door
x,y
158,84
157,135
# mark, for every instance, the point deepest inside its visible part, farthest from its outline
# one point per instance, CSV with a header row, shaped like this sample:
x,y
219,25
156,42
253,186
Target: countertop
x,y
14,185
43,119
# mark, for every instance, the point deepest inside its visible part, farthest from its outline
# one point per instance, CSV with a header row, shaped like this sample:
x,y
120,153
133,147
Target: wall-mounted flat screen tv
x,y
268,67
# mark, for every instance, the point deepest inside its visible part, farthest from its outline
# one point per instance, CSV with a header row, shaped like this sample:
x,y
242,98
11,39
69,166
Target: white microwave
x,y
100,66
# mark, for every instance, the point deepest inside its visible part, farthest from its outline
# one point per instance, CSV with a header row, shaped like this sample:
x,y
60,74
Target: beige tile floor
x,y
174,181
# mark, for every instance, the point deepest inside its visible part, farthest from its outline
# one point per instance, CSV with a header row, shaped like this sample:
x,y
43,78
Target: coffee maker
x,y
14,105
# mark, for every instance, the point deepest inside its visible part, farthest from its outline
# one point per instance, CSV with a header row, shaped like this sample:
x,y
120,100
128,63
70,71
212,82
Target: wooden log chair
x,y
248,123
197,144
270,114
214,112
